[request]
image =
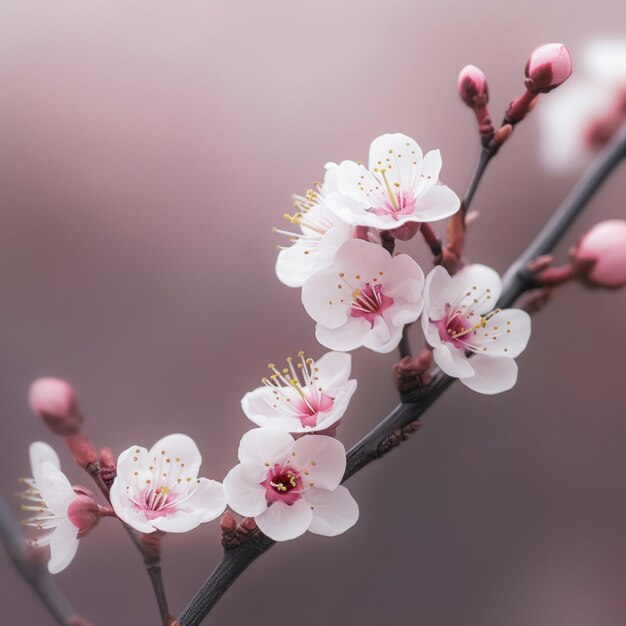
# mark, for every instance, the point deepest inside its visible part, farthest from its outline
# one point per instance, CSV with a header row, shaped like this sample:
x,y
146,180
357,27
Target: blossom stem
x,y
34,572
404,347
404,419
431,238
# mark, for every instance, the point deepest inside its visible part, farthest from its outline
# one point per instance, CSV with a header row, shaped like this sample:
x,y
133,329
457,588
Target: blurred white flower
x,y
291,486
399,186
584,113
159,489
459,319
58,512
364,298
309,396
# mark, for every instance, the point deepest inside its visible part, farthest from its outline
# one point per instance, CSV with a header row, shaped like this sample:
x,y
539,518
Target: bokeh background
x,y
146,150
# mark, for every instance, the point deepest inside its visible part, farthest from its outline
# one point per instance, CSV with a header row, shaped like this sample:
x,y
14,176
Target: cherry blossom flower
x,y
584,113
159,489
321,234
605,245
460,320
306,397
60,512
365,298
291,486
399,186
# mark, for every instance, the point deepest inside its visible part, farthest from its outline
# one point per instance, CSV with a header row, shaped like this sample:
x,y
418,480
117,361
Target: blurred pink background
x,y
146,150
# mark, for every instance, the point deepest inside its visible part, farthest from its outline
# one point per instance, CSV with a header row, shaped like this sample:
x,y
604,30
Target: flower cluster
x,y
362,294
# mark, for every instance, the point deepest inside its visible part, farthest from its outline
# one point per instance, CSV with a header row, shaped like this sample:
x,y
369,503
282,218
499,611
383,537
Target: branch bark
x,y
404,419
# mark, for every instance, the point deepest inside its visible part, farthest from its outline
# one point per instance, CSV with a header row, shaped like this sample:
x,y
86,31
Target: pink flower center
x,y
310,409
402,204
283,484
369,302
455,330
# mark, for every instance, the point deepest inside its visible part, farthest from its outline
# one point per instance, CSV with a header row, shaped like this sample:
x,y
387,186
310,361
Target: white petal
x,y
483,278
63,546
55,489
348,337
506,334
294,265
282,522
209,498
179,446
384,336
324,458
333,371
333,511
400,155
452,361
327,418
244,493
437,203
126,510
265,445
133,459
39,453
258,407
439,290
491,375
178,522
429,172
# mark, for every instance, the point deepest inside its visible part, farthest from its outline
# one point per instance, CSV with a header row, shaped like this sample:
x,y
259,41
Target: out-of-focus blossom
x,y
307,396
584,113
291,486
321,234
159,489
548,67
364,298
399,185
54,401
605,244
59,512
459,320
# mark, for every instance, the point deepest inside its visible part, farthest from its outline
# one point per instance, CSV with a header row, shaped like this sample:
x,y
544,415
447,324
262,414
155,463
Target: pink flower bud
x,y
605,244
84,513
472,86
54,401
82,450
548,67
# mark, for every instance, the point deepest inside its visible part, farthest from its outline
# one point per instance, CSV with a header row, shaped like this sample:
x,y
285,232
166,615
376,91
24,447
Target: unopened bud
x,y
472,86
54,401
605,245
84,513
108,471
406,232
548,67
82,450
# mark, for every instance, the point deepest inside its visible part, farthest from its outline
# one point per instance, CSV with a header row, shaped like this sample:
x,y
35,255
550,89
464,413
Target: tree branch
x,y
34,572
404,419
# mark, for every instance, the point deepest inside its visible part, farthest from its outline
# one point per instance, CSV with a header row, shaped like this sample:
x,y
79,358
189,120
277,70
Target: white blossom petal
x,y
39,453
491,374
282,521
182,446
244,492
334,512
324,458
63,546
264,445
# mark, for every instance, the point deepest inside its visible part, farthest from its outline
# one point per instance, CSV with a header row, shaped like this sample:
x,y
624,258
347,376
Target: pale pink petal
x,y
126,510
55,489
282,522
486,280
209,498
347,337
438,203
452,361
399,155
505,334
243,489
39,453
178,446
264,445
133,459
324,458
334,512
333,371
491,375
178,522
63,546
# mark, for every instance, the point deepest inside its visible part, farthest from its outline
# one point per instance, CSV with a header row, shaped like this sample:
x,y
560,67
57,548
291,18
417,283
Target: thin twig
x,y
404,419
34,572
